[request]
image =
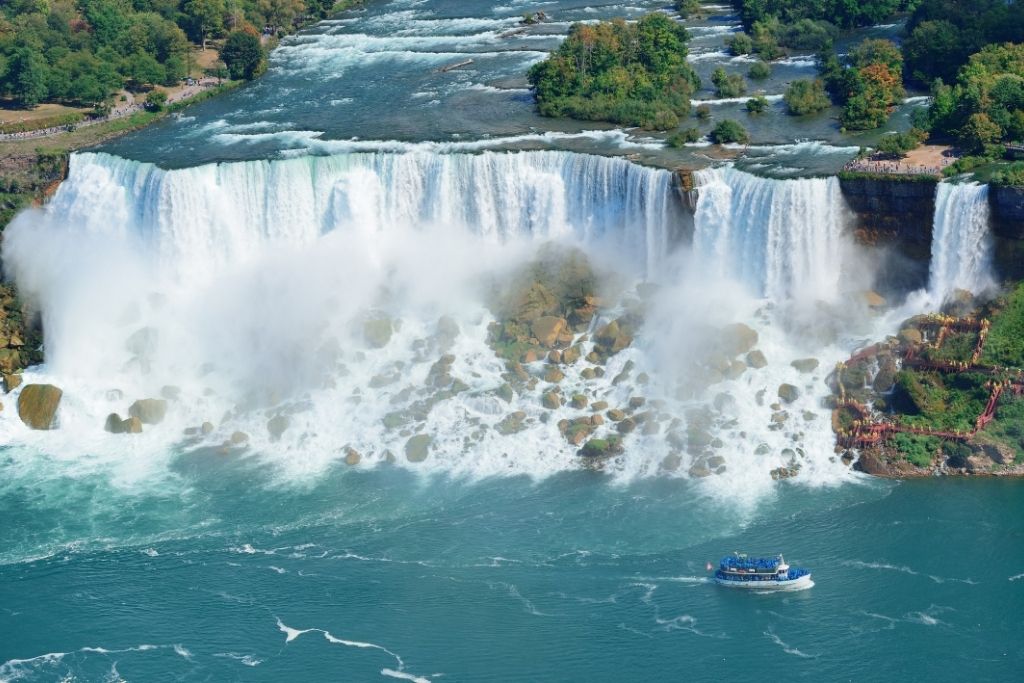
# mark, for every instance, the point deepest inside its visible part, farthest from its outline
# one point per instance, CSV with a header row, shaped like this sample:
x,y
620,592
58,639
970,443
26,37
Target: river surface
x,y
229,258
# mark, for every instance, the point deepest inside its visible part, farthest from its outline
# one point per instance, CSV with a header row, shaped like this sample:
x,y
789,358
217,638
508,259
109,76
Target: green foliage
x,y
809,34
243,55
806,97
683,137
845,13
702,112
727,130
156,100
985,107
958,346
943,34
898,144
1008,427
757,104
726,84
935,401
867,84
759,71
632,74
1011,174
1005,343
739,44
687,8
917,449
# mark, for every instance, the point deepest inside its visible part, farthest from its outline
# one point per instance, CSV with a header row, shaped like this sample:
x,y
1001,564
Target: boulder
x,y
352,456
551,400
555,357
440,372
601,448
206,428
553,375
579,401
150,410
170,392
598,406
788,393
805,364
571,355
37,405
588,373
10,361
505,393
738,339
239,438
277,425
447,333
11,382
417,448
616,415
132,425
637,402
626,426
546,329
671,462
114,424
756,359
377,331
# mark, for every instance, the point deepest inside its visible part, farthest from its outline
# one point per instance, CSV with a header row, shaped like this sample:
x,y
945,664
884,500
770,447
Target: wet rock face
x,y
417,448
37,405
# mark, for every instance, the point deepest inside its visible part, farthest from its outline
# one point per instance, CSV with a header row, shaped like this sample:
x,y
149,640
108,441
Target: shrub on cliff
x,y
632,74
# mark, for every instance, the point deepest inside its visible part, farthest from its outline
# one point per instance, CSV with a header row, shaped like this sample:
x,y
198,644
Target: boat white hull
x,y
797,584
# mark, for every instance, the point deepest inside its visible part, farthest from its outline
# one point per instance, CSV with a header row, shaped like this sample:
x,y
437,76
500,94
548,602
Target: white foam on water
x,y
734,100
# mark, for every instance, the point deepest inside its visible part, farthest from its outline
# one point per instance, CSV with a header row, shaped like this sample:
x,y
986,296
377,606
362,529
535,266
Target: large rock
x,y
738,339
511,423
805,364
417,448
277,425
114,424
551,400
910,335
37,405
788,393
756,359
150,411
547,329
377,331
132,425
11,382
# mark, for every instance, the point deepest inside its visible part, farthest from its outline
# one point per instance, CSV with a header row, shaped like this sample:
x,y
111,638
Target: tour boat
x,y
760,573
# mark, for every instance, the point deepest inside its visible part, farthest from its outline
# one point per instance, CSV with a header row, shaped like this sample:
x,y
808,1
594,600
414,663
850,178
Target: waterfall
x,y
195,219
961,248
781,238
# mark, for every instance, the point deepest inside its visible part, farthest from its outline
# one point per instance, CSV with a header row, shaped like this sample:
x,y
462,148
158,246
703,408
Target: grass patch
x,y
918,450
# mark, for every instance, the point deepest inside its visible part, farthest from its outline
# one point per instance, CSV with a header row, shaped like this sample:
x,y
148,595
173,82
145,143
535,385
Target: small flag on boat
x,y
708,567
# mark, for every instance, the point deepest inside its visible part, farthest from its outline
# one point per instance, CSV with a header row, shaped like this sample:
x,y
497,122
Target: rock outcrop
x,y
38,404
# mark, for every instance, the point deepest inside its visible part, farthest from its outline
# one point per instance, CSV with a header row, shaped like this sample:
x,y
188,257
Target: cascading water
x,y
242,288
782,238
961,246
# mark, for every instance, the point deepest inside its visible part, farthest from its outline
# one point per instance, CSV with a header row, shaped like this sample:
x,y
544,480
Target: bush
x,y
702,112
155,100
898,144
917,449
759,71
687,8
757,105
726,84
683,137
739,44
727,131
810,35
806,97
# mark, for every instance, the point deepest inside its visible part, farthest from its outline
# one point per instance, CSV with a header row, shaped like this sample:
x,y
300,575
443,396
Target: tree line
x,y
80,52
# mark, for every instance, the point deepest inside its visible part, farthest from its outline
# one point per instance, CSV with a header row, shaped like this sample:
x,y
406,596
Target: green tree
x,y
759,71
143,69
979,132
757,104
806,97
726,84
243,55
156,100
28,76
206,18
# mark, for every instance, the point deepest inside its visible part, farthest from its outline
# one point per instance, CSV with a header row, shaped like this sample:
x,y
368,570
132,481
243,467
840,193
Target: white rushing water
x,y
245,287
961,244
782,238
